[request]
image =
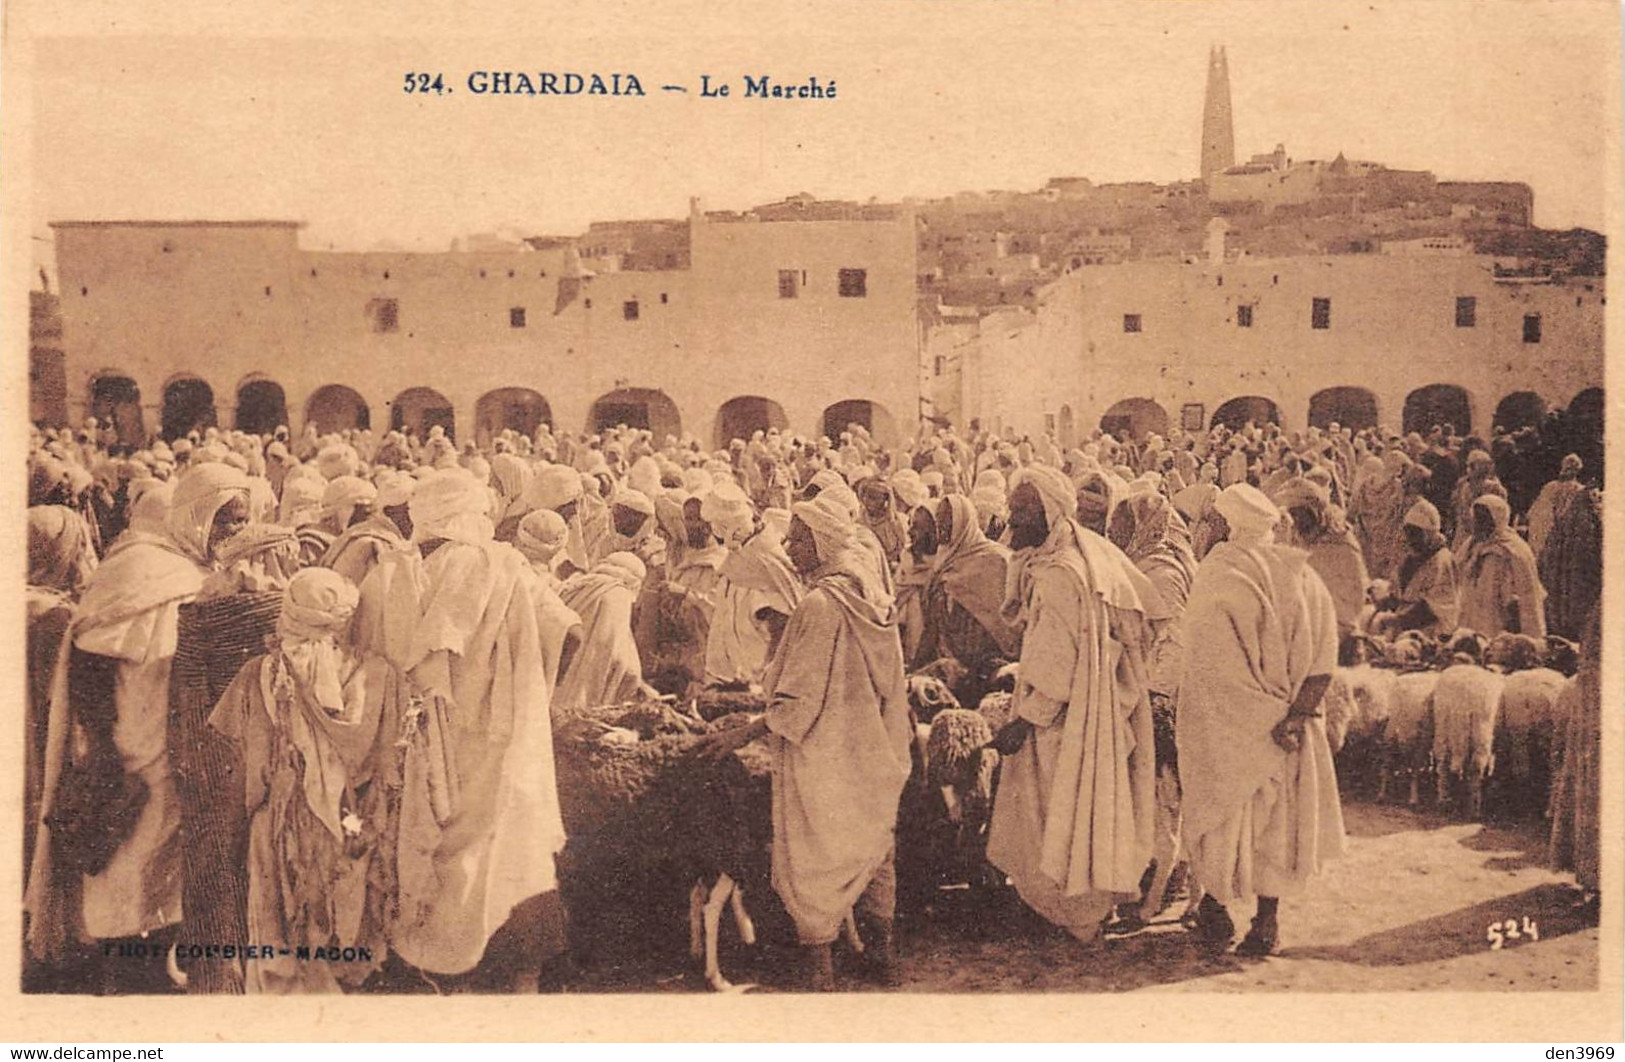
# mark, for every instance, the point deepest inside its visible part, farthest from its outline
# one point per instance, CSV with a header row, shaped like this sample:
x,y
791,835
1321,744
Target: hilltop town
x,y
1131,306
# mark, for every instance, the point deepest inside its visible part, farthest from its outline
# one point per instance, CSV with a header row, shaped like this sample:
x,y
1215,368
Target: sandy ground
x,y
1407,908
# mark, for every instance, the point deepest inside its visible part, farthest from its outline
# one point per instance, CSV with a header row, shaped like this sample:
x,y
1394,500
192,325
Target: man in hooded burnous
x,y
838,717
475,641
1072,825
1260,793
107,859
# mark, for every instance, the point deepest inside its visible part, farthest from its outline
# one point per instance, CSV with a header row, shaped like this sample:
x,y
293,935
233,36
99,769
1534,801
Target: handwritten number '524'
x,y
1501,932
421,83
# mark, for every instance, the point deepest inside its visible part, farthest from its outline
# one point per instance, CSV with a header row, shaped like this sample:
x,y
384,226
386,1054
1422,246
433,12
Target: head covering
x,y
149,504
1303,493
635,500
60,555
990,502
830,522
301,501
337,460
1571,463
511,476
697,481
541,535
199,495
1054,491
1423,514
554,486
644,476
451,504
627,568
316,609
1096,495
825,479
909,488
343,495
1248,511
1498,509
669,515
394,488
728,510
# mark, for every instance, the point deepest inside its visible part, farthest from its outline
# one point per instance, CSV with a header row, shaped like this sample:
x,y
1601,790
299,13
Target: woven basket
x,y
216,639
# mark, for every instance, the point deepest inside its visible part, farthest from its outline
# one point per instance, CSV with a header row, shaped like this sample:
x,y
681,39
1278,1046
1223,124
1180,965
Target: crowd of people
x,y
441,607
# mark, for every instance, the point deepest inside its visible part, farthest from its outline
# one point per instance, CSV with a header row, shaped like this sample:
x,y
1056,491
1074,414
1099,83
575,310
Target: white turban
x,y
200,494
541,535
728,510
910,489
829,521
342,496
626,567
644,476
318,603
394,488
989,502
1054,489
697,481
301,501
336,461
1248,511
842,495
451,504
825,479
554,486
316,609
635,500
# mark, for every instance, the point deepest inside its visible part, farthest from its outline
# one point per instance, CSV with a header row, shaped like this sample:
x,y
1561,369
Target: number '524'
x,y
421,83
1512,929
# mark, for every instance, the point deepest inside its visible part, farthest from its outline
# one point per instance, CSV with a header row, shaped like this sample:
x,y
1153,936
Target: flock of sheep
x,y
1467,724
1479,718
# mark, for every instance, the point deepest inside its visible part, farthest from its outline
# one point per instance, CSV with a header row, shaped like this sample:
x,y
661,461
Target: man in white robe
x,y
1072,822
112,692
476,637
1260,792
838,716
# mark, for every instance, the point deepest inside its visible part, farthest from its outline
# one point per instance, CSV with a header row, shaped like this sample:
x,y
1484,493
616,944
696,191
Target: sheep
x,y
1562,656
1531,724
713,702
928,695
641,812
948,809
1356,702
950,673
1357,706
1166,852
1405,743
1466,707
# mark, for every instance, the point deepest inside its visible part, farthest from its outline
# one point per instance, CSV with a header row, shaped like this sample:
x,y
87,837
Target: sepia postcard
x,y
813,521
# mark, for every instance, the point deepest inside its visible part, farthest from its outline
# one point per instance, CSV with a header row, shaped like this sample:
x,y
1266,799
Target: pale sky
x,y
270,115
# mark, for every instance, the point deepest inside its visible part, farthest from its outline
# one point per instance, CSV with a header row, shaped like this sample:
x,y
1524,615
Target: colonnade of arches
x,y
188,403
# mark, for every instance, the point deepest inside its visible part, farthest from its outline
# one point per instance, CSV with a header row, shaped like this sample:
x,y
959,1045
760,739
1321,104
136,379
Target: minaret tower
x,y
1218,135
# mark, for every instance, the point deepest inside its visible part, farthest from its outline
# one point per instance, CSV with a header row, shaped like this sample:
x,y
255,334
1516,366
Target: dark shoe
x,y
880,957
1262,938
820,968
1214,926
1128,921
